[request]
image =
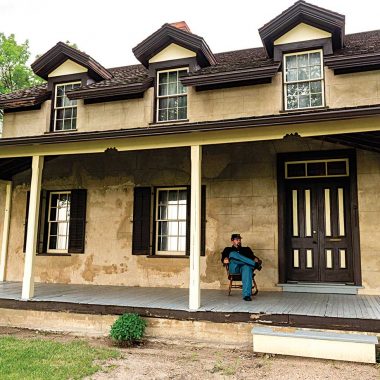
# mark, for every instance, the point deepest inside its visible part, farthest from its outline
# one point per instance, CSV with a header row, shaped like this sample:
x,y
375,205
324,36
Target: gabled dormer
x,y
66,69
169,54
303,26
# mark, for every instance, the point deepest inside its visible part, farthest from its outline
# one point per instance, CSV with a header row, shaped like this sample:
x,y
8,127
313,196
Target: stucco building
x,y
137,175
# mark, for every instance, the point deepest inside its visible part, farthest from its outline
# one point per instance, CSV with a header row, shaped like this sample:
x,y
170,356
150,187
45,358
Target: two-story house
x,y
138,175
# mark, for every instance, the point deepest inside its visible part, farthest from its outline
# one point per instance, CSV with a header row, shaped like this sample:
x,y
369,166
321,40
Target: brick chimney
x,y
181,25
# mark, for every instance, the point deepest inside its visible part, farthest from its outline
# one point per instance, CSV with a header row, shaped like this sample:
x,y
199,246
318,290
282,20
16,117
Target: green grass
x,y
44,359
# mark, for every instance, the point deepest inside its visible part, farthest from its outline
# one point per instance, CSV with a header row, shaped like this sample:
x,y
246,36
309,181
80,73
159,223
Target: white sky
x,y
109,29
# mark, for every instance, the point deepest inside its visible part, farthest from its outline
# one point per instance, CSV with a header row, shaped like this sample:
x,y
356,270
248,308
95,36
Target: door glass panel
x,y
342,258
307,213
309,258
341,212
337,168
316,169
295,212
296,170
296,258
329,264
327,213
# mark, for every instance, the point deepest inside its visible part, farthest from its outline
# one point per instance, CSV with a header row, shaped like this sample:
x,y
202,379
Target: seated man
x,y
242,261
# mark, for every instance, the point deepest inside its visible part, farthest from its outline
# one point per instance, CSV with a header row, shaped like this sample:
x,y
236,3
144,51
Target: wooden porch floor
x,y
272,307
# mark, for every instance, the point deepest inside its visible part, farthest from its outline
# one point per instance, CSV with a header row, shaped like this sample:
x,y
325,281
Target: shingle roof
x,y
25,97
355,44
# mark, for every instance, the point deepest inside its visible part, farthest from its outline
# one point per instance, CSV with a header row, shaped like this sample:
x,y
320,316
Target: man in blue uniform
x,y
241,260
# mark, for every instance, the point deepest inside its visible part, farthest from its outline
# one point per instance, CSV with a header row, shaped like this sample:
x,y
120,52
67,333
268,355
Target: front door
x,y
318,235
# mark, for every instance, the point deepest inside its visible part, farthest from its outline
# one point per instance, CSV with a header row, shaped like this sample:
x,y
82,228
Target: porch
x,y
329,311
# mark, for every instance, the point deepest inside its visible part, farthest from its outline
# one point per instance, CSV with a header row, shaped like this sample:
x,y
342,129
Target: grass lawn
x,y
46,359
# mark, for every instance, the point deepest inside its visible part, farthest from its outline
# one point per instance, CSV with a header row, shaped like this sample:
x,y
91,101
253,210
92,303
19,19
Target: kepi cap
x,y
235,236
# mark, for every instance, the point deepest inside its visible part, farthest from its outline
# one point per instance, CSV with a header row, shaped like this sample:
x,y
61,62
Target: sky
x,y
109,29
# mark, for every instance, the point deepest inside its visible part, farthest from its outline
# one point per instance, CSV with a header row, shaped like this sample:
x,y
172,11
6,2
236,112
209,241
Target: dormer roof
x,y
60,53
303,12
170,34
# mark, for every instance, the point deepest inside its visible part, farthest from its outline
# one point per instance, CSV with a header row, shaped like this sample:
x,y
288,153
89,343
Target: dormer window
x,y
65,110
171,95
303,80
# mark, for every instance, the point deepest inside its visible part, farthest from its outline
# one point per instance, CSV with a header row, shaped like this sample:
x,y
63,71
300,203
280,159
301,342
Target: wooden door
x,y
318,234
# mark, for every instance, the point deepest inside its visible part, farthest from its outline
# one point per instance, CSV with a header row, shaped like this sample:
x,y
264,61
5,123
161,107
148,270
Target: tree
x,y
15,74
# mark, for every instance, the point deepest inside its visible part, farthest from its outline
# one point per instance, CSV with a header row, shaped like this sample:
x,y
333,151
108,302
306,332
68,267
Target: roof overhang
x,y
303,12
108,92
168,34
24,102
342,64
58,54
229,77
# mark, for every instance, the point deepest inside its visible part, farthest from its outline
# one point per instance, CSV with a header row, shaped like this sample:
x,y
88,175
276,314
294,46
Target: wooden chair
x,y
234,278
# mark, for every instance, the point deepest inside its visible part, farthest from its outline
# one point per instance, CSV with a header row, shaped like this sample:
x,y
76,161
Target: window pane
x,y
59,101
172,228
291,61
172,88
68,113
316,169
291,75
182,244
315,72
61,242
315,58
163,212
182,113
172,211
303,73
163,103
182,212
182,228
316,100
53,242
60,91
163,243
296,170
336,168
163,228
53,228
316,86
163,115
172,102
162,78
172,243
302,60
182,196
63,229
54,200
67,124
162,196
172,114
182,101
303,89
162,89
304,101
173,76
59,125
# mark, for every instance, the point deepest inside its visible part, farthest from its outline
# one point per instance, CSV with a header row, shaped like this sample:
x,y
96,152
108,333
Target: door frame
x,y
354,212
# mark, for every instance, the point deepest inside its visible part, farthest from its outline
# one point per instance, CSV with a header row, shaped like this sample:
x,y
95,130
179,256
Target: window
x,y
65,110
171,211
171,95
58,222
303,80
317,168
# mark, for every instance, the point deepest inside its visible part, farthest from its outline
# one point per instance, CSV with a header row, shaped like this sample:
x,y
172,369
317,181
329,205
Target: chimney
x,y
181,25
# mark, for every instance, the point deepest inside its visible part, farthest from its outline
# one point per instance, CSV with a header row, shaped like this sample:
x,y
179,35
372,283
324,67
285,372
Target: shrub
x,y
128,329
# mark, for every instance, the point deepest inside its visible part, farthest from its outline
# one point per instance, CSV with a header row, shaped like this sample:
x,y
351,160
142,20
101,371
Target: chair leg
x,y
255,290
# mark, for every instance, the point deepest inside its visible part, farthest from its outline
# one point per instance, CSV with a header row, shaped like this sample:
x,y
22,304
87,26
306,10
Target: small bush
x,y
128,329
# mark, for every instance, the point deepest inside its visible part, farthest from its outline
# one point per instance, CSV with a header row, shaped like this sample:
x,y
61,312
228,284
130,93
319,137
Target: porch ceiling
x,y
363,140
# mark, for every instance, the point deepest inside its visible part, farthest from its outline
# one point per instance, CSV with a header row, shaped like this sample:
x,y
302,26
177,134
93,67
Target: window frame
x,y
286,83
55,108
158,97
157,221
49,222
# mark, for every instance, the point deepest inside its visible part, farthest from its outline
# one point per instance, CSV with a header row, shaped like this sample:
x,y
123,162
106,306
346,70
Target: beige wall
x,y
241,197
265,99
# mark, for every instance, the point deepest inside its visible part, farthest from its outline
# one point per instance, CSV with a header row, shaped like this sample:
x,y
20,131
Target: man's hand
x,y
257,259
226,261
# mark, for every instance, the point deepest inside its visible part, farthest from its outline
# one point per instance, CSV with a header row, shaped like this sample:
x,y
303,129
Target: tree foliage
x,y
15,74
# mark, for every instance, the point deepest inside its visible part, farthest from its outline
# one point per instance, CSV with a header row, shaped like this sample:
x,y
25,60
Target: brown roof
x,y
364,43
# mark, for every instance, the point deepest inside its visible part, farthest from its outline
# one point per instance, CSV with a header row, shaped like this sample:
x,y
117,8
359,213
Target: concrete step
x,y
315,344
327,288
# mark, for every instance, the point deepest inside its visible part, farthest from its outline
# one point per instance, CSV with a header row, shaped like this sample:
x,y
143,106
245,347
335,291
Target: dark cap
x,y
235,236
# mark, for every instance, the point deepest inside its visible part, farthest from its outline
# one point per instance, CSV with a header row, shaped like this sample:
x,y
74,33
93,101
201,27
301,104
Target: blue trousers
x,y
244,266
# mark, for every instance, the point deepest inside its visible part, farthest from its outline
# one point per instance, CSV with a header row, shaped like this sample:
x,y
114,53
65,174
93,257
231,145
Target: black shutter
x,y
141,221
203,221
77,221
43,222
26,219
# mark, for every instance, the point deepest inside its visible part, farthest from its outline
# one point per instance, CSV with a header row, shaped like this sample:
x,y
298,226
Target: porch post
x,y
34,207
7,219
195,227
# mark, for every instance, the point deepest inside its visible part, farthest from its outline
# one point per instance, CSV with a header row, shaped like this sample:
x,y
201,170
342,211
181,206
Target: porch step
x,y
315,344
320,288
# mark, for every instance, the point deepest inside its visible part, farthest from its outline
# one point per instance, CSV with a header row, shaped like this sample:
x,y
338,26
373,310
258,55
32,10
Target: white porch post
x,y
7,219
195,227
34,207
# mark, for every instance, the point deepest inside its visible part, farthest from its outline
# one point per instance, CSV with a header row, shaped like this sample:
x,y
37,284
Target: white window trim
x,y
158,97
49,225
62,108
166,253
322,79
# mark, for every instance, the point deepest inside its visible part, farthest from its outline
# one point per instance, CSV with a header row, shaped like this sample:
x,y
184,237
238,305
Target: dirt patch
x,y
157,360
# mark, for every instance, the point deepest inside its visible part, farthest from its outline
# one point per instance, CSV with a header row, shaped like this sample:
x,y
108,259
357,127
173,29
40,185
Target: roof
x,y
127,79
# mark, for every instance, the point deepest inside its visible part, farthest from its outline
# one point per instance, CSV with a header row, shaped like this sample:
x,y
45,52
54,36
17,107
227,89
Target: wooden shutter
x,y
26,219
141,221
77,227
203,220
